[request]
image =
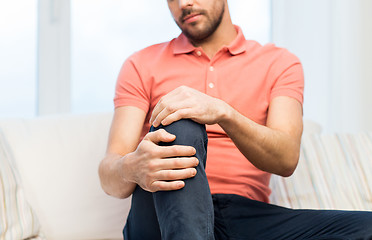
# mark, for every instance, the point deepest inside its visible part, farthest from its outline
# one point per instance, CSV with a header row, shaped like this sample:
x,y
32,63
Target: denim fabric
x,y
184,214
240,218
192,213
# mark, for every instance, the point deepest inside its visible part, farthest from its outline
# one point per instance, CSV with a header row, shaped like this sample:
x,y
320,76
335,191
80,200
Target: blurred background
x,y
63,56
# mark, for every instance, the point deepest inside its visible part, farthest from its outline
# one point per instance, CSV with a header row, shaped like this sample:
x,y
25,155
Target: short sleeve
x,y
288,77
130,88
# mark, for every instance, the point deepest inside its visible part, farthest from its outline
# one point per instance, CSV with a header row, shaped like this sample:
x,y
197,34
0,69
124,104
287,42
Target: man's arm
x,y
273,148
129,161
124,137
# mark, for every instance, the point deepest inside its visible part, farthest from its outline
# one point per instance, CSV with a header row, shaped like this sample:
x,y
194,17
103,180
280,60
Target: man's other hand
x,y
159,168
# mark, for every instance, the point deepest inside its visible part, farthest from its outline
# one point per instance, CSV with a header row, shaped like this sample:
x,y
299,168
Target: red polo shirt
x,y
244,74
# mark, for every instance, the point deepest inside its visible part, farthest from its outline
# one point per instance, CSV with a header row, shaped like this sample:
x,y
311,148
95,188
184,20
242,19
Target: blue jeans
x,y
192,213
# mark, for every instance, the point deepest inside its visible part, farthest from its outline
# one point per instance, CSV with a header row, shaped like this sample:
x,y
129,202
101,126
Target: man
x,y
212,89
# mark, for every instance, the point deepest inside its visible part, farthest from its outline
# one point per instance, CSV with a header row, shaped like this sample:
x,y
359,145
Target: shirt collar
x,y
237,46
182,45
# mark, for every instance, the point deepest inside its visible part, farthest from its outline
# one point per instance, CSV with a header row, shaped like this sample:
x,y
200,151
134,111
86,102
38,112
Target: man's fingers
x,y
160,136
159,107
173,163
180,163
176,151
166,186
170,97
168,151
185,113
173,175
163,111
173,101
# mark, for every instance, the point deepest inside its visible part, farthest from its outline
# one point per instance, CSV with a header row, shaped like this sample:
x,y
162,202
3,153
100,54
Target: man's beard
x,y
208,30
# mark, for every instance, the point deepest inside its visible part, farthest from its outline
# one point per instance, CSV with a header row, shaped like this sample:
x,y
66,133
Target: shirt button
x,y
211,68
198,53
211,85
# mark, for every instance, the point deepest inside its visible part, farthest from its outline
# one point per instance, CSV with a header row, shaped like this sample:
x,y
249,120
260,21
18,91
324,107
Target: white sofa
x,y
50,187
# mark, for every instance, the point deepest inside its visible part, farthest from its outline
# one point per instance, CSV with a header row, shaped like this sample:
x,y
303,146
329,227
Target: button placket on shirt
x,y
211,76
211,81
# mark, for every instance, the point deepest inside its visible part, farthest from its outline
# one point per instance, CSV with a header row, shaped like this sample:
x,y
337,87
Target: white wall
x,y
332,38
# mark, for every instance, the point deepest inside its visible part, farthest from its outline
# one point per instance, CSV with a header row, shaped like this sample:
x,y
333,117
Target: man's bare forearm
x,y
269,149
112,181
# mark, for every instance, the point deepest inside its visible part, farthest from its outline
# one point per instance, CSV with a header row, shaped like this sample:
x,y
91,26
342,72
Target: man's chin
x,y
196,35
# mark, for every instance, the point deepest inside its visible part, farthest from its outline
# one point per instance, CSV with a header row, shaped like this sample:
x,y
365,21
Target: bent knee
x,y
188,133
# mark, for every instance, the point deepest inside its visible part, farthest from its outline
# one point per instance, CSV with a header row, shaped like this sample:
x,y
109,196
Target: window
x,y
104,34
18,58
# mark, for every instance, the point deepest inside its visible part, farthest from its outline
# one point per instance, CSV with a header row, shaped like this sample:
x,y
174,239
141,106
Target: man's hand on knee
x,y
159,168
187,103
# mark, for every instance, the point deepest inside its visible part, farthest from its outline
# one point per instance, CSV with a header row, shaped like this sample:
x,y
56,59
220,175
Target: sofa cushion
x,y
333,173
17,219
311,127
58,160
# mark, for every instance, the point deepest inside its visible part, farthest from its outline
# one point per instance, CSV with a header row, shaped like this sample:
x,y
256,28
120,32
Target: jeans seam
x,y
228,228
209,230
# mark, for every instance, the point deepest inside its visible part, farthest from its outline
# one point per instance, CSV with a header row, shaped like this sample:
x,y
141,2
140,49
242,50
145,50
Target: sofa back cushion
x,y
58,159
334,172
